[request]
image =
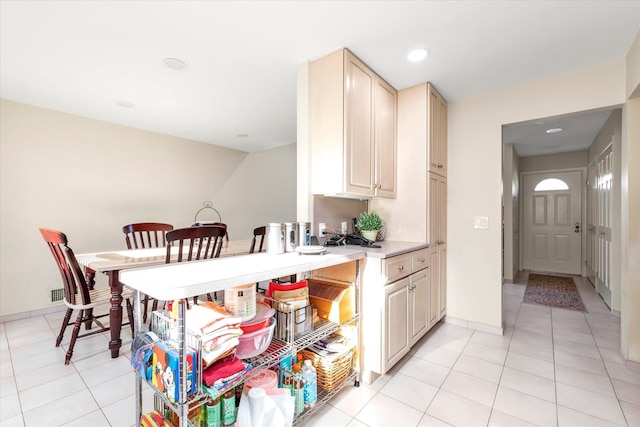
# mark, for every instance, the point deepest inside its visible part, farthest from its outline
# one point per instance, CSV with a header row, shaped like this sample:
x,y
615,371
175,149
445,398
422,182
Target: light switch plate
x,y
481,222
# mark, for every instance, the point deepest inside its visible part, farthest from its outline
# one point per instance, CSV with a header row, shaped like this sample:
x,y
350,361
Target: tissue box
x,y
166,370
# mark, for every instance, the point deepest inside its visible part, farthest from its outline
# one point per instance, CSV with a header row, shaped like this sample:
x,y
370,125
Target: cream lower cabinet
x,y
396,297
406,316
396,322
419,294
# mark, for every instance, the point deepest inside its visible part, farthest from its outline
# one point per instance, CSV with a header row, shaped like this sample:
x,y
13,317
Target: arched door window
x,y
551,184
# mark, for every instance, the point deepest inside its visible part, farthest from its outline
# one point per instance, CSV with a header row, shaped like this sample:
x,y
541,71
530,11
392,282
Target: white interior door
x,y
604,211
552,225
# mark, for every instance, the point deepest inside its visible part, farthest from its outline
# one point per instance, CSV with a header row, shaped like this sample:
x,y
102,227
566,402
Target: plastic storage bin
x,y
254,343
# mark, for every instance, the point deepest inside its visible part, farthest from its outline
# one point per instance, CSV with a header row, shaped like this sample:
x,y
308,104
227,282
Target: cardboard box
x,y
166,370
334,301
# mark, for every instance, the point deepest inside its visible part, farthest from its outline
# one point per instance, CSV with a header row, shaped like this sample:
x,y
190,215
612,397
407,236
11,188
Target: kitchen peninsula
x,y
184,280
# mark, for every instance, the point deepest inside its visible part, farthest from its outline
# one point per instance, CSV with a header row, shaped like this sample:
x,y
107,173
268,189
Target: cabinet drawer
x,y
396,267
419,260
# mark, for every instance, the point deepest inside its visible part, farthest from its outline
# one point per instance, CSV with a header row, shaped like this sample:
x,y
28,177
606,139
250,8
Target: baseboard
x,y
474,325
26,315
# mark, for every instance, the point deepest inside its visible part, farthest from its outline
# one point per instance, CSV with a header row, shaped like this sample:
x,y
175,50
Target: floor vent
x,y
57,295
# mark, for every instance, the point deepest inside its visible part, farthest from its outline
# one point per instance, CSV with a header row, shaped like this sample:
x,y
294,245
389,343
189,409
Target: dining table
x,y
111,263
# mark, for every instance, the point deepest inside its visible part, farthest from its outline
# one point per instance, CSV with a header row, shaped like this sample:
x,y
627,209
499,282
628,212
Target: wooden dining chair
x,y
258,236
218,224
142,235
196,243
77,293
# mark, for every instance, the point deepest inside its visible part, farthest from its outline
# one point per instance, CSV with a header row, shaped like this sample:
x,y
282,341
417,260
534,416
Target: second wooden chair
x,y
195,243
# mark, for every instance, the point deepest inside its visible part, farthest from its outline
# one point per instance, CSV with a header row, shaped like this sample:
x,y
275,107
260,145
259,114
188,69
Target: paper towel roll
x,y
257,396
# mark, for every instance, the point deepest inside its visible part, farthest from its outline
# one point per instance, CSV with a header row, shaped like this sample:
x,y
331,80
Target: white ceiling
x,y
83,57
578,132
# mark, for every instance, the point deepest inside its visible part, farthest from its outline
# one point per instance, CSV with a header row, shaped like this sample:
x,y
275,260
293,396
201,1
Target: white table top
x,y
187,279
120,260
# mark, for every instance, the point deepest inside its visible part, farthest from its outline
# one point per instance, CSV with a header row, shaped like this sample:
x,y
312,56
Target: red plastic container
x,y
260,320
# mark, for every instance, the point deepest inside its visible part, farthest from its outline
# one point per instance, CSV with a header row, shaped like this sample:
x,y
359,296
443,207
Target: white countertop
x,y
389,248
184,280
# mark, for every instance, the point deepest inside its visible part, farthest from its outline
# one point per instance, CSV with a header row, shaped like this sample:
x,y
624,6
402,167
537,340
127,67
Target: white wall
x,y
474,274
630,201
573,159
89,178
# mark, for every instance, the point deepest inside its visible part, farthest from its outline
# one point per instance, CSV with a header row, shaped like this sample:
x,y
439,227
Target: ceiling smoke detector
x,y
125,104
174,64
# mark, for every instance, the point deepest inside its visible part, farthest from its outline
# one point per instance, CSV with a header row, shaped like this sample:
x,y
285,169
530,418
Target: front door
x,y
552,225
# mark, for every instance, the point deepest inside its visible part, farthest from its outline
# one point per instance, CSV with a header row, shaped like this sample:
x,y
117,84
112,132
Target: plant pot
x,y
369,234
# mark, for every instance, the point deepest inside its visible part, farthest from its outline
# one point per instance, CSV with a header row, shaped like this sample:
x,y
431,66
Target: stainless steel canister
x,y
304,233
275,238
290,236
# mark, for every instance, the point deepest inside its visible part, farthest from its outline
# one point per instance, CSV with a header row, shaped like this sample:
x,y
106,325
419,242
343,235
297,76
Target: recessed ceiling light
x,y
242,135
554,130
125,104
417,55
174,64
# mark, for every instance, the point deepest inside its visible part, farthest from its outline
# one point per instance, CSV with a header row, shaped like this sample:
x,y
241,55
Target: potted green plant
x,y
369,223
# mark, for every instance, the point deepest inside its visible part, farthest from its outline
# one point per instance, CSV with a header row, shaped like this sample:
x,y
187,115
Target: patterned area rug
x,y
553,291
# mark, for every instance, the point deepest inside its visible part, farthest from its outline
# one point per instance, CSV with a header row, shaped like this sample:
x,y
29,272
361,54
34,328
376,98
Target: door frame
x,y
583,213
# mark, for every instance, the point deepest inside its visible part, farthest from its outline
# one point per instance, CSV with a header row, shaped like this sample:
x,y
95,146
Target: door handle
x,y
577,229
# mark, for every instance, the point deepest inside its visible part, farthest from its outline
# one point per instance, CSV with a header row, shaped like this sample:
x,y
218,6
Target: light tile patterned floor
x,y
552,367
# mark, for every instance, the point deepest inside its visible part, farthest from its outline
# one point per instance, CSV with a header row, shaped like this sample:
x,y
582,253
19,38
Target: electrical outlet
x,y
322,228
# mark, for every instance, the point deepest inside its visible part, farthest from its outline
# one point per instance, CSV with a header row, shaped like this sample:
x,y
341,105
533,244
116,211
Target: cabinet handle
x,y
401,268
440,165
421,259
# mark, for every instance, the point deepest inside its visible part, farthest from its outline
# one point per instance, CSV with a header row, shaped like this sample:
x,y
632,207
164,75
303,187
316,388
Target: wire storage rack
x,y
295,335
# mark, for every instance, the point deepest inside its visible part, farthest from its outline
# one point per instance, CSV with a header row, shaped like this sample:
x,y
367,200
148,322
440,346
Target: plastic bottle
x,y
229,407
310,378
213,413
297,389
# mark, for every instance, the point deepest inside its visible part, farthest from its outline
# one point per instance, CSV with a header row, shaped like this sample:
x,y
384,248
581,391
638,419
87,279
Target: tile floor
x,y
552,367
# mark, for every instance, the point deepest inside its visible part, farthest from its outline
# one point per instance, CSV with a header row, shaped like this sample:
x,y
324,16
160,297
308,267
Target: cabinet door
x,y
360,156
385,109
434,288
418,304
437,135
396,323
442,281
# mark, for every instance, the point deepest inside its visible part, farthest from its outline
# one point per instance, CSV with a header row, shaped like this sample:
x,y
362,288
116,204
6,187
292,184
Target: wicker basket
x,y
331,369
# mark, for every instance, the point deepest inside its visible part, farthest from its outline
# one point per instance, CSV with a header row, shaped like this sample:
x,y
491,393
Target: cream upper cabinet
x,y
352,129
437,134
422,138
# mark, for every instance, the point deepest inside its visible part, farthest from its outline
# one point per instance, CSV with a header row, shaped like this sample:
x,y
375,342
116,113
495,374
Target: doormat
x,y
553,291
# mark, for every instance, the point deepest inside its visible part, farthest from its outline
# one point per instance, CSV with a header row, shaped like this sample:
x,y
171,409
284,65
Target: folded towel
x,y
211,341
209,317
225,368
209,357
